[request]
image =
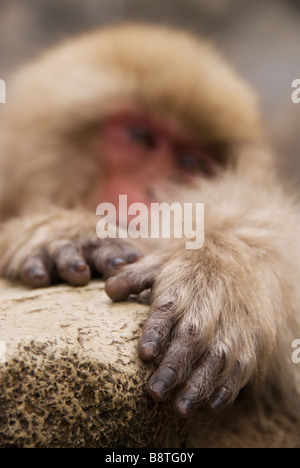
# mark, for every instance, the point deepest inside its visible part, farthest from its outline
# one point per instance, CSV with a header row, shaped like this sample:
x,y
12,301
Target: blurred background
x,y
261,39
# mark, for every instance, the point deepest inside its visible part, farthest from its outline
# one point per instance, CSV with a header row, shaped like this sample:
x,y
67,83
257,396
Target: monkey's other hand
x,y
41,251
76,263
203,321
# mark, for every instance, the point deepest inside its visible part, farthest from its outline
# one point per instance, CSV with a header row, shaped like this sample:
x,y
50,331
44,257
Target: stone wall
x,y
70,375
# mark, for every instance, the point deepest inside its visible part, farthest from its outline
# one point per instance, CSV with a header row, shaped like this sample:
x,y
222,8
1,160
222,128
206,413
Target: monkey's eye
x,y
188,161
193,160
143,136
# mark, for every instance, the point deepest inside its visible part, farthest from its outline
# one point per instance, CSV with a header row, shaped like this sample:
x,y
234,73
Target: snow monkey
x,y
158,115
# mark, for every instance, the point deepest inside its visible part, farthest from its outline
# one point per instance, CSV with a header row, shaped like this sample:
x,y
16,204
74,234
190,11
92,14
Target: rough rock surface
x,y
70,375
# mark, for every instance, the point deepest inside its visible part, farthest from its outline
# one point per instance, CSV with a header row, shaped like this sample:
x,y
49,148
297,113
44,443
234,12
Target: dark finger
x,y
112,256
35,273
130,253
198,387
172,371
222,397
129,282
71,265
225,394
156,332
108,259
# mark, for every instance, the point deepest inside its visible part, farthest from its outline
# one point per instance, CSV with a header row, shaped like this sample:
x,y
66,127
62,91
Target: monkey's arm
x,y
57,244
219,314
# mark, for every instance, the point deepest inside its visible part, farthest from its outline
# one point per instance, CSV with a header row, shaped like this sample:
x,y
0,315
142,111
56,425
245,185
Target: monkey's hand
x,y
211,319
60,246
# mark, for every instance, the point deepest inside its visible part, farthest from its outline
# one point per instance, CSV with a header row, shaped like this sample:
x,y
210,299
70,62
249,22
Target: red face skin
x,y
139,152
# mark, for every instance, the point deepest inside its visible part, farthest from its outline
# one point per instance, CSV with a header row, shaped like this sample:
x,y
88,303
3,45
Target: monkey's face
x,y
140,151
125,116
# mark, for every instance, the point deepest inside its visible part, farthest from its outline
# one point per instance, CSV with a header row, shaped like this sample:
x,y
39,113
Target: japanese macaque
x,y
157,115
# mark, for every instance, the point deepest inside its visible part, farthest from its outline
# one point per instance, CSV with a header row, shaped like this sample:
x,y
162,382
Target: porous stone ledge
x,y
70,375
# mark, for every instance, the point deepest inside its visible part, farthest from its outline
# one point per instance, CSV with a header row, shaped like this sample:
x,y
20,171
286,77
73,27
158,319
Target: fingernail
x,y
219,398
149,349
38,273
216,403
117,262
80,266
159,389
133,257
184,406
